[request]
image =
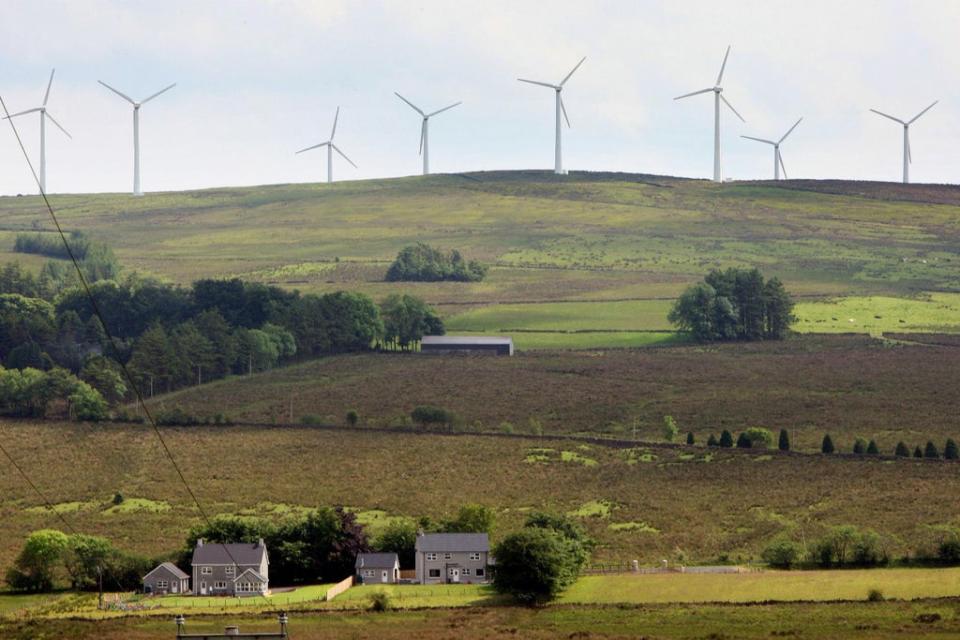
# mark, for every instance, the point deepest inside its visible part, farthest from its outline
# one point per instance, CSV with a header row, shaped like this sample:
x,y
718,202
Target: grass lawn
x,y
932,313
308,594
631,315
414,596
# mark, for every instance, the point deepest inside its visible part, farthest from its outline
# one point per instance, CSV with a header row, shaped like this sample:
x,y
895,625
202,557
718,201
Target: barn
x,y
491,345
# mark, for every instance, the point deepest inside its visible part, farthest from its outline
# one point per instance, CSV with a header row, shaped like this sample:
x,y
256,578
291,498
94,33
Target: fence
x,y
339,588
408,574
613,568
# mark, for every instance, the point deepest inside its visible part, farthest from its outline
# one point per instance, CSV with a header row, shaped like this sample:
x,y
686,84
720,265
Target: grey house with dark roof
x,y
232,569
452,558
166,578
378,568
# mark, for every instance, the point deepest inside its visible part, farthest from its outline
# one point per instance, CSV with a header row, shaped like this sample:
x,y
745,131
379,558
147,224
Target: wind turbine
x,y
717,97
425,130
42,109
330,149
777,157
907,158
558,159
136,130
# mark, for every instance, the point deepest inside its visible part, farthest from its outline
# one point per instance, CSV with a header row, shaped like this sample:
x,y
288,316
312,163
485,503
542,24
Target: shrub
x,y
827,445
860,446
781,553
902,450
917,452
379,601
873,449
783,443
950,451
743,441
670,428
690,438
535,564
353,417
177,417
311,419
506,427
875,595
427,415
759,437
930,451
118,498
712,441
726,439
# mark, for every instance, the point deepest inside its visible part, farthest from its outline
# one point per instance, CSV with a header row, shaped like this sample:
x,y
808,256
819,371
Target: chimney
x,y
199,542
260,543
420,532
231,631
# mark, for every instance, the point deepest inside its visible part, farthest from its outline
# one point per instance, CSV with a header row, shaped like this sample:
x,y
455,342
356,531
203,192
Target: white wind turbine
x,y
558,159
42,109
425,130
330,149
777,157
717,97
136,130
907,157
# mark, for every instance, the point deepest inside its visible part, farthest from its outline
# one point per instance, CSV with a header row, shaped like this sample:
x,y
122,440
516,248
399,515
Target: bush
x,y
930,451
827,445
950,451
759,437
875,595
783,443
311,419
726,439
506,427
873,449
118,498
353,418
781,554
917,452
426,415
712,441
670,428
902,450
743,441
178,417
535,564
860,446
379,601
690,438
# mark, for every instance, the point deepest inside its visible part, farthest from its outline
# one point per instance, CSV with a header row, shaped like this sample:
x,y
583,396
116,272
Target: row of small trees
x,y
862,446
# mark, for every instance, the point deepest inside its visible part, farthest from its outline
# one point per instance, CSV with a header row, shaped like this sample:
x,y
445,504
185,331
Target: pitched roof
x,y
453,542
465,340
172,568
256,576
229,553
376,560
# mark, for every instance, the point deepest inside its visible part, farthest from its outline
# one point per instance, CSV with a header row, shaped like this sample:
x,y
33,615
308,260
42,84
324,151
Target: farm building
x,y
492,345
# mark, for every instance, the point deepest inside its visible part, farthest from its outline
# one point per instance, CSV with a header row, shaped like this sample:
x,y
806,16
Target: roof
x,y
466,340
377,560
453,542
256,576
172,568
229,553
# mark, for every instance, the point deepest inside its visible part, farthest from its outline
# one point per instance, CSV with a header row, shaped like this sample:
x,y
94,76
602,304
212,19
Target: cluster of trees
x,y
752,438
850,546
30,393
51,558
862,446
736,304
535,564
96,259
170,336
422,263
400,535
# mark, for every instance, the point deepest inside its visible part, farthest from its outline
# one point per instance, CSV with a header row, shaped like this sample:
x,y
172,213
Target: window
x,y
431,556
474,556
479,573
161,584
219,585
369,573
434,573
448,556
465,572
206,570
230,571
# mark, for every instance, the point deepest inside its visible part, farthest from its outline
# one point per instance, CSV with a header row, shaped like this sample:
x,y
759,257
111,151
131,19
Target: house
x,y
452,558
231,569
166,578
499,346
378,568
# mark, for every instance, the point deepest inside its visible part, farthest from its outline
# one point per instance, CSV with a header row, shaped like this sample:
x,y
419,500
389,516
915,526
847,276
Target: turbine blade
x,y
58,125
880,113
336,117
122,95
423,130
723,66
727,102
564,110
542,84
14,115
337,149
415,107
782,166
145,101
46,96
790,131
914,117
564,81
316,146
695,93
430,115
760,140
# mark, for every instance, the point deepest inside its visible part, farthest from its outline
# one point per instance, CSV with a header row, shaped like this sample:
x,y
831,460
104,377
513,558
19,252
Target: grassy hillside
x,y
586,236
645,502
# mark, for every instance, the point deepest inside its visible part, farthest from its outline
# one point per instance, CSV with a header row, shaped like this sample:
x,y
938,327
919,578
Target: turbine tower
x,y
136,130
42,109
777,157
907,157
330,149
558,159
717,97
425,130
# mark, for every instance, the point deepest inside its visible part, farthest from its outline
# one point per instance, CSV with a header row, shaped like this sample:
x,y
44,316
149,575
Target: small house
x,y
166,578
378,568
488,345
231,569
452,558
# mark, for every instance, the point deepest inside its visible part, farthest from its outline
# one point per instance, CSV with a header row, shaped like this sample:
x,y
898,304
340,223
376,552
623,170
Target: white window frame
x,y
475,556
206,571
465,571
230,570
448,556
219,585
369,573
434,573
162,584
431,557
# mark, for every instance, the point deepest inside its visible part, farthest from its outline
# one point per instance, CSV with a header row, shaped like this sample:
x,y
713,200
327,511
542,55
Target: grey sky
x,y
258,80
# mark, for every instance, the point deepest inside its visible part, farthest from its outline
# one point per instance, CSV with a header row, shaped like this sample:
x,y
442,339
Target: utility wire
x,y
110,340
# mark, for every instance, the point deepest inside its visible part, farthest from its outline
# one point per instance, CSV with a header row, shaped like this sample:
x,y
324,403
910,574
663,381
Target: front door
x,y
175,586
383,576
203,588
453,573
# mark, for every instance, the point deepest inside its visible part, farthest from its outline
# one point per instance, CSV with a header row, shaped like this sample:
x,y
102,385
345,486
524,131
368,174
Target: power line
x,y
110,341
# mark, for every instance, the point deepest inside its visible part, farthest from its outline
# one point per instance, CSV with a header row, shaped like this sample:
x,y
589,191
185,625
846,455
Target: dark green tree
x,y
930,451
950,451
827,445
471,518
533,566
712,441
743,441
873,449
726,439
407,319
917,452
399,537
860,446
783,443
902,450
690,438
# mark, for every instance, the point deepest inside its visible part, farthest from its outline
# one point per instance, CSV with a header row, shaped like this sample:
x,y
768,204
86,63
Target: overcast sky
x,y
259,79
